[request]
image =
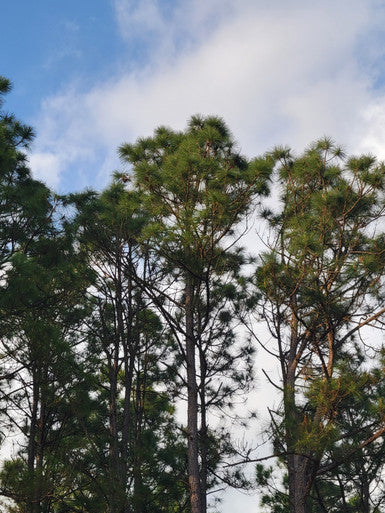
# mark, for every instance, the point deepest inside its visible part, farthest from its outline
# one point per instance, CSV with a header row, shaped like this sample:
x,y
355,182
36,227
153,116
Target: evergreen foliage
x,y
117,305
321,284
196,188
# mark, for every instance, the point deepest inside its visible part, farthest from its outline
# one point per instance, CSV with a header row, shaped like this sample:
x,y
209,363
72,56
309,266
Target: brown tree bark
x,y
192,405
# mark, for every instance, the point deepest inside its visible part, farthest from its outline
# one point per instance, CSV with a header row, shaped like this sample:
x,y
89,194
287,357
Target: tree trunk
x,y
125,342
365,494
115,494
192,405
203,430
299,466
139,499
302,468
33,501
130,346
298,483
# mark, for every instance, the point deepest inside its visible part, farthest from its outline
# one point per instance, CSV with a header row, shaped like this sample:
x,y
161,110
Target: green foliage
x,y
195,186
25,203
114,304
321,282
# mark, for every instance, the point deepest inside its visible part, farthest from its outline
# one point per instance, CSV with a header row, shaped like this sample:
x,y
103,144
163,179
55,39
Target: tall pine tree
x,y
321,283
196,188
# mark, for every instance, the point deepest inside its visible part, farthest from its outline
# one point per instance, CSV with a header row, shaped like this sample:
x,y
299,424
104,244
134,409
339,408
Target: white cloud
x,y
373,140
135,18
46,167
166,29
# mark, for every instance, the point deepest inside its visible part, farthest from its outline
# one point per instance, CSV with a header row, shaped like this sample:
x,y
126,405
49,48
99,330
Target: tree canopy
x,y
129,318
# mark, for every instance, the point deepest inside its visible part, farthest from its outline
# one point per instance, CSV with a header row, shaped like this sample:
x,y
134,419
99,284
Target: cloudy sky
x,y
89,75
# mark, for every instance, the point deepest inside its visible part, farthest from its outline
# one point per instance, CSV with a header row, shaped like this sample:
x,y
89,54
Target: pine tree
x,y
196,188
321,285
39,283
44,311
132,419
25,202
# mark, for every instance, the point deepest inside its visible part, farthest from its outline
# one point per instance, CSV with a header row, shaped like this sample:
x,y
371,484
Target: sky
x,y
90,75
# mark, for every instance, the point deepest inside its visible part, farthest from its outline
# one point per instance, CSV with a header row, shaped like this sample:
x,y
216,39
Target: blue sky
x,y
52,42
91,74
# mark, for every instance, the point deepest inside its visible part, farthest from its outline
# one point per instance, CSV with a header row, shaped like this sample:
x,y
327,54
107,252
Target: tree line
x,y
119,306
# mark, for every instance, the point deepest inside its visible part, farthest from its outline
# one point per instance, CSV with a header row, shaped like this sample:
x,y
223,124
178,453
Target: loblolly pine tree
x,y
321,284
125,342
26,205
27,287
196,188
43,300
39,283
107,225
